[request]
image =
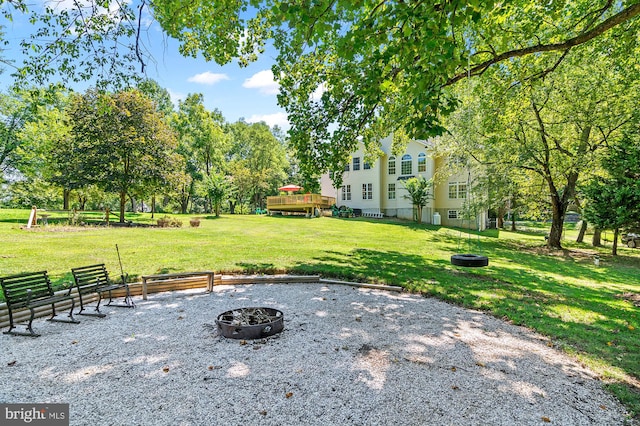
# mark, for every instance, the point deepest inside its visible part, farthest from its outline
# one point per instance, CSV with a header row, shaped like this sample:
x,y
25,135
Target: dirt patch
x,y
631,297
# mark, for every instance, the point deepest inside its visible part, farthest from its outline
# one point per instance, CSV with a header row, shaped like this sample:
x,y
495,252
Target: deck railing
x,y
301,199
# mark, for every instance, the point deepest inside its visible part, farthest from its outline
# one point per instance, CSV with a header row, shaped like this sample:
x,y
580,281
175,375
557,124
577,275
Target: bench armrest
x,y
68,286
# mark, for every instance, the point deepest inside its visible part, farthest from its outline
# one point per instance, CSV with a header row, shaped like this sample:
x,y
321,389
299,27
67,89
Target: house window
x,y
462,190
366,166
392,191
367,191
356,163
392,165
453,189
346,193
422,162
457,190
346,167
452,214
406,165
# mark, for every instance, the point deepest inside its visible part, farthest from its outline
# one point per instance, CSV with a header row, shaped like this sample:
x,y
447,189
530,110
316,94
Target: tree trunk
x,y
153,205
184,202
596,238
513,221
614,250
133,204
123,201
500,218
558,209
583,230
65,199
232,207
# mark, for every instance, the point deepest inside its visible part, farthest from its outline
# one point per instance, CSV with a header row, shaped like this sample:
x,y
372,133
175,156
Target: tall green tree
x,y
123,142
261,158
158,94
16,109
202,141
553,126
419,191
217,187
613,201
48,152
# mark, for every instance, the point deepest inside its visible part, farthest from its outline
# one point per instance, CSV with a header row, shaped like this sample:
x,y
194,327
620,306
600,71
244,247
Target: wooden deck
x,y
305,203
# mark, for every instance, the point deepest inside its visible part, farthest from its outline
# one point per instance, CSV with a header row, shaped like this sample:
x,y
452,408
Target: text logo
x,y
34,414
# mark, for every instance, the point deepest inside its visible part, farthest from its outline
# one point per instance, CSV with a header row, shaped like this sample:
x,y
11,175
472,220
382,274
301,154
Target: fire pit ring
x,y
250,323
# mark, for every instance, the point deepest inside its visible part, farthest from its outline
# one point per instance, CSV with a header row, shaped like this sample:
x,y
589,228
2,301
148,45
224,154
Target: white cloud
x,y
317,94
279,119
208,78
263,81
176,96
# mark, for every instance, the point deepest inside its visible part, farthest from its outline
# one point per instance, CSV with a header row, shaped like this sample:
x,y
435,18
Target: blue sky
x,y
248,93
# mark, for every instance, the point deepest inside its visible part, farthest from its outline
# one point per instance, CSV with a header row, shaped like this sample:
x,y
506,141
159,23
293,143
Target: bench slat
x,y
31,290
95,279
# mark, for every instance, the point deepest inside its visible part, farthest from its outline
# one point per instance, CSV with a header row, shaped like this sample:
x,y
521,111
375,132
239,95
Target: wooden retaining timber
x,y
266,279
173,282
177,281
364,285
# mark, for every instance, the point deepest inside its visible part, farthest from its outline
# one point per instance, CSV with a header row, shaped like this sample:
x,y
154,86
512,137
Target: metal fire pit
x,y
250,323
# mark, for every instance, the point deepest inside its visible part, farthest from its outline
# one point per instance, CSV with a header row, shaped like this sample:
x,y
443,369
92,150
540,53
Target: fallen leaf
x,y
609,344
550,344
263,412
454,387
210,367
243,342
546,419
631,328
165,369
358,319
289,394
480,364
453,369
180,317
11,363
604,407
73,342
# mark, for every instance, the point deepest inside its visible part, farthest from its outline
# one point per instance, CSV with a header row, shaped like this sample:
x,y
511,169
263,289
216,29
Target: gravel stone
x,y
347,356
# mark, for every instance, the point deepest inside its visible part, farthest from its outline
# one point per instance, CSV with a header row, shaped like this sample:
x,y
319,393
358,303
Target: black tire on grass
x,y
469,260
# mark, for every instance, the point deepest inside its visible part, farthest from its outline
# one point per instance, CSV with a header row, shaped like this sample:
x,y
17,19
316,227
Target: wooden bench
x,y
31,290
94,279
160,278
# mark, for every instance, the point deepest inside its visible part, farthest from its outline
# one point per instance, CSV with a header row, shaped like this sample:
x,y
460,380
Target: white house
x,y
378,187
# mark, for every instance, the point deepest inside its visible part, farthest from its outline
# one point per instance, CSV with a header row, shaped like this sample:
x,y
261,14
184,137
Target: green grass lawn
x,y
562,295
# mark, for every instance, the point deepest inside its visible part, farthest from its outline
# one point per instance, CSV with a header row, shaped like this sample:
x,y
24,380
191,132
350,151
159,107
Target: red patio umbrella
x,y
290,188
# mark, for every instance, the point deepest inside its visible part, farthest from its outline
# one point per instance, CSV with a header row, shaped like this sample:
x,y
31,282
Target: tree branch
x,y
617,19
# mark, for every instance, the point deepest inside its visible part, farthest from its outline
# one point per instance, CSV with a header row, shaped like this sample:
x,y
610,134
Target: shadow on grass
x,y
255,268
586,317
